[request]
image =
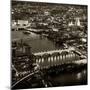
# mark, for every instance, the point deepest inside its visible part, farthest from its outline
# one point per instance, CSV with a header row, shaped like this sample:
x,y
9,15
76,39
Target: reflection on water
x,y
74,78
78,75
81,74
84,71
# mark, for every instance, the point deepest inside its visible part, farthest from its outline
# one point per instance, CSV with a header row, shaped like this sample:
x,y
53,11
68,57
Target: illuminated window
x,y
48,59
58,58
42,60
52,59
36,60
63,56
55,58
68,55
39,60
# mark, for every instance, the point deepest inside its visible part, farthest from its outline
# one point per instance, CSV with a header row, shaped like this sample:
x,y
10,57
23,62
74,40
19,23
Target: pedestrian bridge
x,y
56,57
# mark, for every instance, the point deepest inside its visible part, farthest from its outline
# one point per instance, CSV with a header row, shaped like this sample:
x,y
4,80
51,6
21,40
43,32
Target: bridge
x,y
56,57
47,59
54,51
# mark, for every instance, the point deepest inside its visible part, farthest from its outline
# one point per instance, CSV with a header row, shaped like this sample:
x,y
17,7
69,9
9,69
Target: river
x,y
40,43
70,78
37,42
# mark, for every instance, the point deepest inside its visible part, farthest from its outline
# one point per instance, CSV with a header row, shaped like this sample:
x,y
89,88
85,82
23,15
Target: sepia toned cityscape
x,y
49,44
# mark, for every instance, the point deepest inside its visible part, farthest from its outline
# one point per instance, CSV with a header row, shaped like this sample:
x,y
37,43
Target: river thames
x,y
40,43
37,42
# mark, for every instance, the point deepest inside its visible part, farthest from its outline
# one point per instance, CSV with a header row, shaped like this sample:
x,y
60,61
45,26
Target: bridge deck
x,y
53,51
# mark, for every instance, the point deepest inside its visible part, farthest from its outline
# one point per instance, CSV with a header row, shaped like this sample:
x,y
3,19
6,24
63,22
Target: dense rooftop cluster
x,y
55,11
